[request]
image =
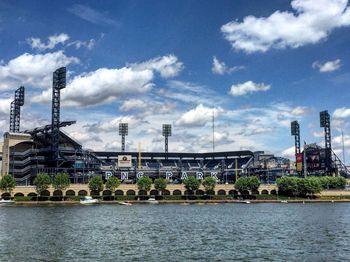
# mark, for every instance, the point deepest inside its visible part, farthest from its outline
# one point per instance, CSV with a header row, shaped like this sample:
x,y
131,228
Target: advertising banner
x,y
299,162
124,161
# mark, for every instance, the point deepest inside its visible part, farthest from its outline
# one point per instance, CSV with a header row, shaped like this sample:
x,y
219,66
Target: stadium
x,y
49,149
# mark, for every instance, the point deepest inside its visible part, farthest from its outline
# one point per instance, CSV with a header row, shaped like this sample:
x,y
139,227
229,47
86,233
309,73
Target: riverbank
x,y
184,202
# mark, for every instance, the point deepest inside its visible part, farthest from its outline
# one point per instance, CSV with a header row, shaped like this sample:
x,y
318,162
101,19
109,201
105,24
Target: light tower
x,y
295,131
59,82
15,111
123,131
325,122
166,132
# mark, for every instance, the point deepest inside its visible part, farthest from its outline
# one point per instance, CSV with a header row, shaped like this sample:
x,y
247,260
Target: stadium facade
x,y
49,149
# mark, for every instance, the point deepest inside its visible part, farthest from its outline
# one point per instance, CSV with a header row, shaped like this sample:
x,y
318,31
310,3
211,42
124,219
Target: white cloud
x,y
91,15
33,70
198,116
342,112
299,111
167,66
318,134
329,66
311,22
87,44
54,40
289,152
133,104
112,125
247,88
105,85
221,68
83,137
5,106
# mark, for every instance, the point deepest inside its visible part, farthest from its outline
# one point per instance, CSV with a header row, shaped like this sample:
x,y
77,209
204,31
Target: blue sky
x,y
255,65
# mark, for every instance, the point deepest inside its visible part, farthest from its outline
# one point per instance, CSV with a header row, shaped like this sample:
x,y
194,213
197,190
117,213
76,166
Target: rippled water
x,y
225,232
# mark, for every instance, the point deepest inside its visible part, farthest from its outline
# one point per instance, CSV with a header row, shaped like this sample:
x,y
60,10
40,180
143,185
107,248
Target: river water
x,y
224,232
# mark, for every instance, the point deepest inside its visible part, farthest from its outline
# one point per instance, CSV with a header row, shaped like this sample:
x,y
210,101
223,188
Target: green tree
x,y
309,186
61,181
7,184
288,186
160,184
96,184
112,183
247,184
191,183
209,183
42,182
144,183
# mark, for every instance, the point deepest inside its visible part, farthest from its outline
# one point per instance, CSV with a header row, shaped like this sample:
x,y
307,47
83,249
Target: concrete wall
x,y
11,139
219,189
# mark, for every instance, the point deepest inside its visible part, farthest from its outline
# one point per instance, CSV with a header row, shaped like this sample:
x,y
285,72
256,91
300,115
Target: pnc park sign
x,y
124,175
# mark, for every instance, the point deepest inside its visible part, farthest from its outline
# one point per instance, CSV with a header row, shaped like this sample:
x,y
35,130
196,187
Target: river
x,y
224,232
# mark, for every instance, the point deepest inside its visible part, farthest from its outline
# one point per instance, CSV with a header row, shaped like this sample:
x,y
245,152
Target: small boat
x,y
152,200
125,203
284,201
88,200
9,202
245,202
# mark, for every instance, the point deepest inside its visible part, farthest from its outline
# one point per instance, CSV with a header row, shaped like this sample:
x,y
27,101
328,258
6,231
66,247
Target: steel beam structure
x,y
15,110
59,82
123,131
166,132
325,122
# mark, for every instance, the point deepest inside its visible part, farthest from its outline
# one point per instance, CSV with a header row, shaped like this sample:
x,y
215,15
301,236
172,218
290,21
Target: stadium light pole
x,y
325,122
59,82
123,131
295,131
15,110
166,132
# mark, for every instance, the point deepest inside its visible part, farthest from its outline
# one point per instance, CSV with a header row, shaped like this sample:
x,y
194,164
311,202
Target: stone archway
x,y
177,192
119,192
70,193
264,192
82,193
130,192
221,192
199,192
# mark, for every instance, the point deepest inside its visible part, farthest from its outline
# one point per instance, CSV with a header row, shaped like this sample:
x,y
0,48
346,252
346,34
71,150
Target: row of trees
x,y
145,184
294,186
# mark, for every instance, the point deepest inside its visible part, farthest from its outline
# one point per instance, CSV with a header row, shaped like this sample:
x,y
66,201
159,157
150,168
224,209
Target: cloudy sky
x,y
254,65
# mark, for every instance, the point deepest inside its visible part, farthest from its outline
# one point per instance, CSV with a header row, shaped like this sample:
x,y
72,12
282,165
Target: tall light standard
x,y
166,132
123,131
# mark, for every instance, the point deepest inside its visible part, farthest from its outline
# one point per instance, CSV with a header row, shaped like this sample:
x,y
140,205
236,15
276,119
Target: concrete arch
x,y
255,192
130,192
57,193
70,193
107,192
82,193
142,193
19,194
273,192
154,192
177,192
264,192
32,194
221,192
211,192
45,193
94,193
199,192
119,192
6,195
233,192
166,192
245,193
